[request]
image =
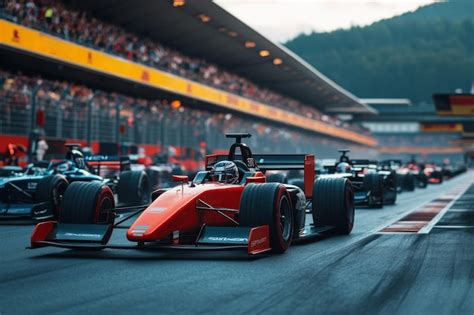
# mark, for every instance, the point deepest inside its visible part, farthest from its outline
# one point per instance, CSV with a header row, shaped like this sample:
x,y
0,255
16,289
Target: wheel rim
x,y
58,194
104,210
285,218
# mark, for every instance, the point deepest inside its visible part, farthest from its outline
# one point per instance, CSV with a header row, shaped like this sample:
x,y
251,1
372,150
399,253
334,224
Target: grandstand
x,y
80,70
407,131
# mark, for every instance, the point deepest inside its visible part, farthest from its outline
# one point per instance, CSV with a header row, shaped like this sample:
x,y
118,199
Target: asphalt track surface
x,y
364,273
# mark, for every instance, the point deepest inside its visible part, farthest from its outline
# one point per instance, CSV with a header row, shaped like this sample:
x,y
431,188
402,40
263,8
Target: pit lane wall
x,y
41,44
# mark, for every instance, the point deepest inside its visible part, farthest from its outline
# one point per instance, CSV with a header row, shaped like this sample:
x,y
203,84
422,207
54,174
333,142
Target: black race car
x,y
373,186
37,192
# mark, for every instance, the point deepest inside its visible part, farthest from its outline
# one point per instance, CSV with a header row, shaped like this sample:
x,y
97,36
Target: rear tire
x,y
277,178
438,175
422,180
297,182
333,204
268,204
133,188
390,189
51,189
153,178
409,182
87,203
373,182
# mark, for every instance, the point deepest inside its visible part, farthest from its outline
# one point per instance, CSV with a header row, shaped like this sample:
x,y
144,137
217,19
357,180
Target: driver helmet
x,y
343,167
225,172
77,157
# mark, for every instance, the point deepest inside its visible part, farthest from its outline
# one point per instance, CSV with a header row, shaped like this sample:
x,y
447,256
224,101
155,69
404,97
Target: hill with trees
x,y
410,56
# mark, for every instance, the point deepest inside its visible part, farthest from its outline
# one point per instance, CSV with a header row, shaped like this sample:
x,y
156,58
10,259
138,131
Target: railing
x,y
104,118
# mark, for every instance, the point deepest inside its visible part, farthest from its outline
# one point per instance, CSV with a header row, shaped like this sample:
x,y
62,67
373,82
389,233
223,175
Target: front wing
x,y
255,240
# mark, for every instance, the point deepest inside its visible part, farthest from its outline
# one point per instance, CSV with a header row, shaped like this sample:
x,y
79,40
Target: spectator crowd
x,y
79,26
65,102
148,121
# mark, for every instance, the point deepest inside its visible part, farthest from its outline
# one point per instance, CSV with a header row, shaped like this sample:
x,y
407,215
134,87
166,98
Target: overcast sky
x,y
281,20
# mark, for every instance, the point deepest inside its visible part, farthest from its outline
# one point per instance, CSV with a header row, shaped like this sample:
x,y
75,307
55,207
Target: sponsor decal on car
x,y
157,209
258,242
32,185
140,230
18,210
99,236
227,239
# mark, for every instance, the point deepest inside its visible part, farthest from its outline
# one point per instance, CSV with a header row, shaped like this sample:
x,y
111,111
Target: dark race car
x,y
228,206
406,179
37,193
373,186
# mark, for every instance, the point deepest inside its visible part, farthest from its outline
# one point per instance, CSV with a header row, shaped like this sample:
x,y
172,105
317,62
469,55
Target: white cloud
x,y
281,20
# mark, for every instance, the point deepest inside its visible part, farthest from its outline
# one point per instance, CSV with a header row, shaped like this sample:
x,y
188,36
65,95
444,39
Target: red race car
x,y
228,206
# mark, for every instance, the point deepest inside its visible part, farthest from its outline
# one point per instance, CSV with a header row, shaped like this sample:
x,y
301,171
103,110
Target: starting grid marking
x,y
423,219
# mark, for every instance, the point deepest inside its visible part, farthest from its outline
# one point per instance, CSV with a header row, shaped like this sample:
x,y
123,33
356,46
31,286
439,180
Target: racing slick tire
x,y
51,189
133,188
268,204
409,182
373,182
333,204
438,175
277,178
422,181
87,203
390,189
400,178
153,178
297,182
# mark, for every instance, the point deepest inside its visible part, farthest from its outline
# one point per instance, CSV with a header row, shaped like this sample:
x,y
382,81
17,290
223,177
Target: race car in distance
x,y
37,192
405,178
373,186
158,169
434,173
229,205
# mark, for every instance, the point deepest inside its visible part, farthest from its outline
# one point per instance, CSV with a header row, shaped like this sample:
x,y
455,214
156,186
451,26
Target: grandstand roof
x,y
386,101
203,29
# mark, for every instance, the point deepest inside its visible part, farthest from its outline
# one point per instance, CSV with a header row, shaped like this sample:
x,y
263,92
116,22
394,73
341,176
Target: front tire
x,y
333,204
409,182
51,189
87,203
268,204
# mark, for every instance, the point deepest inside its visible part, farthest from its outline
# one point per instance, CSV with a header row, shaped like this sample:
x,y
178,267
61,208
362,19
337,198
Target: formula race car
x,y
37,193
434,173
229,205
373,186
406,179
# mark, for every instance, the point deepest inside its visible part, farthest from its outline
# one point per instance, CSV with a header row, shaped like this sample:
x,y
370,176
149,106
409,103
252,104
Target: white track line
x,y
454,227
461,210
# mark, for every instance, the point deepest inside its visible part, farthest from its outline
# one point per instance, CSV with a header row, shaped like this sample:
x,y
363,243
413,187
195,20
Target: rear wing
x,y
277,162
392,162
111,162
364,163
